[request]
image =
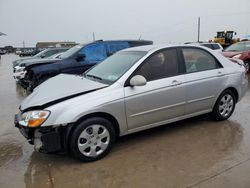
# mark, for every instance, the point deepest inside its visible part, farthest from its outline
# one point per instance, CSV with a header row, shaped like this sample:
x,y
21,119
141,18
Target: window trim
x,y
179,61
218,64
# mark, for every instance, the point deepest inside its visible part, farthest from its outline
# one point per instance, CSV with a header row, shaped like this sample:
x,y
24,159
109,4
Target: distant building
x,y
55,44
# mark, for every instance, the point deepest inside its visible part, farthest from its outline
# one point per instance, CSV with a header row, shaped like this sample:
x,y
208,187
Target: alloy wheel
x,y
226,105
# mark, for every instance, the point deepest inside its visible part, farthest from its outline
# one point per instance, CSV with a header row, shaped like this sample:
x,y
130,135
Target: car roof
x,y
122,40
246,42
201,43
148,48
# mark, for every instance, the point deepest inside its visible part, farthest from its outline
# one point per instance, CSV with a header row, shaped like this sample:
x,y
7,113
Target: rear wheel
x,y
224,105
92,139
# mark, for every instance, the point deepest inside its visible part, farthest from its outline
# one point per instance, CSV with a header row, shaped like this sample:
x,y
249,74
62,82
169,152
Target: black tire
x,y
85,127
217,113
247,64
43,79
31,85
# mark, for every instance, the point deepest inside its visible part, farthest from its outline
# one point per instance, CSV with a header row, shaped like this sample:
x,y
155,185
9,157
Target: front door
x,y
162,98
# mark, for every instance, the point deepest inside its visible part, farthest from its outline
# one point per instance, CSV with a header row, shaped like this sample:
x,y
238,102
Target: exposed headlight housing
x,y
237,56
20,69
34,118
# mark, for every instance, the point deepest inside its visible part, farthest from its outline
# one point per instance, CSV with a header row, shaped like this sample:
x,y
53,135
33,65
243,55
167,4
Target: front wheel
x,y
224,105
92,139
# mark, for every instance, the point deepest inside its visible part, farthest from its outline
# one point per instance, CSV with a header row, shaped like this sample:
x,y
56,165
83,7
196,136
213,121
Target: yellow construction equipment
x,y
225,38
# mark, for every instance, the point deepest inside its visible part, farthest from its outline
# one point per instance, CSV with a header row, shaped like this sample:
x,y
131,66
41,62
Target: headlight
x,y
34,118
237,56
19,70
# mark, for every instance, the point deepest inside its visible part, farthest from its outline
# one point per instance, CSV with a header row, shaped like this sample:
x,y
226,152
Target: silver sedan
x,y
133,90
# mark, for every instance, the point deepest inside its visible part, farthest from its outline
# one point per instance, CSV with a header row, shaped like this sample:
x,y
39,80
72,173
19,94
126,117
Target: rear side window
x,y
160,65
94,52
208,46
114,47
198,60
216,46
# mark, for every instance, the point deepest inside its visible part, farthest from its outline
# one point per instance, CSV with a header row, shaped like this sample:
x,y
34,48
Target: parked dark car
x,y
26,52
76,60
2,51
43,54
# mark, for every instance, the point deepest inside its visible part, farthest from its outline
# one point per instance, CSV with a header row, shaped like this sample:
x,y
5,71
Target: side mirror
x,y
109,54
80,57
138,80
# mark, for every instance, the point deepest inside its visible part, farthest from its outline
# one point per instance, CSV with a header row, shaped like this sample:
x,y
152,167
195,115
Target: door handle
x,y
176,83
219,74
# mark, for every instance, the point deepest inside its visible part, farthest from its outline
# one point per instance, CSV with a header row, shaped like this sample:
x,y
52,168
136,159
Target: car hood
x,y
18,61
230,54
38,61
59,88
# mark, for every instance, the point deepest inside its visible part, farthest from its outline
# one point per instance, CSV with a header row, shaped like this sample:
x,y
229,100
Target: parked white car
x,y
212,45
19,70
132,90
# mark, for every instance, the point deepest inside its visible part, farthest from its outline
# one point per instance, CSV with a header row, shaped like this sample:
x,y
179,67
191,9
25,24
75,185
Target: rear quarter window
x,y
216,46
208,46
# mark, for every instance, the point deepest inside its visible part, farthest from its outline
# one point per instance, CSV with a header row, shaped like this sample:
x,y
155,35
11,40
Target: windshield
x,y
115,66
40,53
57,55
239,47
70,51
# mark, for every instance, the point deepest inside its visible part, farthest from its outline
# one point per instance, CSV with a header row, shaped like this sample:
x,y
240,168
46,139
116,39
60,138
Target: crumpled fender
x,y
48,69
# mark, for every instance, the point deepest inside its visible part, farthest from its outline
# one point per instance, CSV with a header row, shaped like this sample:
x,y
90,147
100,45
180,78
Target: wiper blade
x,y
93,76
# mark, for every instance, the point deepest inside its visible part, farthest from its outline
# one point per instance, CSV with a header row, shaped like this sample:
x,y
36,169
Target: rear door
x,y
204,77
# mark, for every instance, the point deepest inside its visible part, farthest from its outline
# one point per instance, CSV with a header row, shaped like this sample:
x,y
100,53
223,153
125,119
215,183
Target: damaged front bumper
x,y
45,139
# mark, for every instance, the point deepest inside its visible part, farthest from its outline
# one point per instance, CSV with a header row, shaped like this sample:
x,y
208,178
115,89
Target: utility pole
x,y
23,44
140,37
199,25
93,36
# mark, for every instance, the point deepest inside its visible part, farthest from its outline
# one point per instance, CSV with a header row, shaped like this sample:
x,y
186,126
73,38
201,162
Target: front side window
x,y
160,65
198,60
114,47
94,52
70,52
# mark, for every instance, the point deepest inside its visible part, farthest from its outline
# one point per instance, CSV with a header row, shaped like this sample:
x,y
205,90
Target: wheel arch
x,y
235,92
232,89
104,115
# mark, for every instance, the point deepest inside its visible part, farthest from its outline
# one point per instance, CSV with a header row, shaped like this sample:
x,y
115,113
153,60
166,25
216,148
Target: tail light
x,y
246,73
